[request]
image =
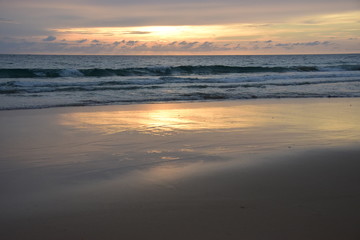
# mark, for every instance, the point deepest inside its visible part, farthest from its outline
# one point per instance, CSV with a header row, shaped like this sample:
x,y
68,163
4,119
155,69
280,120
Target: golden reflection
x,y
318,118
163,119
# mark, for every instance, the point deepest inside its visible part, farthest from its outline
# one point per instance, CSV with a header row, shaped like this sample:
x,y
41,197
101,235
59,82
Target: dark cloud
x,y
314,46
235,3
49,39
131,43
206,45
10,45
307,44
117,43
315,43
312,21
239,47
283,44
6,20
184,45
82,41
137,32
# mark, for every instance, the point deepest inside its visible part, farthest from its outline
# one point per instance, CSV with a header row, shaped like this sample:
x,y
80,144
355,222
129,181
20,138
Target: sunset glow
x,y
158,33
199,27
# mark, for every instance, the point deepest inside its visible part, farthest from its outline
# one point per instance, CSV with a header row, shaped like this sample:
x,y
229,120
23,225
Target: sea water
x,y
40,81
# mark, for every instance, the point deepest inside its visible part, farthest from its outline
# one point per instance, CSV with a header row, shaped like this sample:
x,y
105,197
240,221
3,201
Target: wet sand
x,y
257,169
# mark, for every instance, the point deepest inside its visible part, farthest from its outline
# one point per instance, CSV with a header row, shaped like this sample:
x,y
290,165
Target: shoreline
x,y
254,169
182,102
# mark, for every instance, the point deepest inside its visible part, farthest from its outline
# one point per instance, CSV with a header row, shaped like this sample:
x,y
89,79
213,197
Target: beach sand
x,y
252,169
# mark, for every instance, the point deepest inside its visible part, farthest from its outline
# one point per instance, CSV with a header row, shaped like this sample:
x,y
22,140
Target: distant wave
x,y
164,71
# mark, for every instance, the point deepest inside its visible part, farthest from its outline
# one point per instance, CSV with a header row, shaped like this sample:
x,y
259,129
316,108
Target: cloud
x,y
131,43
11,45
205,12
206,45
290,24
283,45
239,47
115,13
315,43
137,32
49,39
184,45
238,38
82,41
306,44
117,43
6,20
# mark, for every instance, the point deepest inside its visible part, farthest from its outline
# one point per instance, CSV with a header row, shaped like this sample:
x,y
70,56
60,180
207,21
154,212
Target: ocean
x,y
44,81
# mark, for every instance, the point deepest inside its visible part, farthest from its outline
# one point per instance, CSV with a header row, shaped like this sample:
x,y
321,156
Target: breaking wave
x,y
165,71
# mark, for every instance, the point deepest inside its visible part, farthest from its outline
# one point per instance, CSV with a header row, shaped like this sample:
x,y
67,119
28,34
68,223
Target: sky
x,y
174,27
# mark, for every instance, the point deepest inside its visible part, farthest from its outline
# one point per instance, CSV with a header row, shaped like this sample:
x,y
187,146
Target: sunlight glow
x,y
296,35
305,28
157,33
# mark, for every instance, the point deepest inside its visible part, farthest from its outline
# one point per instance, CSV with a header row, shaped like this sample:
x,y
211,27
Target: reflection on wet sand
x,y
338,122
164,119
118,169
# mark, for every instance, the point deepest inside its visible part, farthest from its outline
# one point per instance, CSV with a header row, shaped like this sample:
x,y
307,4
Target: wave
x,y
73,89
165,71
19,87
